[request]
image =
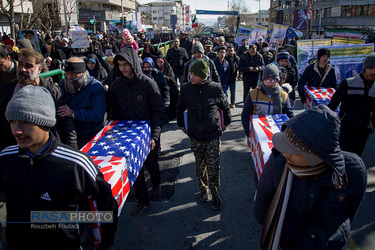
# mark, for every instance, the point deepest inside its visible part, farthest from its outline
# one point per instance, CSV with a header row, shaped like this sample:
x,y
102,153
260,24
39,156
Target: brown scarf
x,y
274,220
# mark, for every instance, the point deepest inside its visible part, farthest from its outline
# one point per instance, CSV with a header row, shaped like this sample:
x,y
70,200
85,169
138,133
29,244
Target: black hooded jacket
x,y
98,72
137,98
155,53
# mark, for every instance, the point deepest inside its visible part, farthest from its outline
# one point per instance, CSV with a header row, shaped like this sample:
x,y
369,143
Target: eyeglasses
x,y
270,80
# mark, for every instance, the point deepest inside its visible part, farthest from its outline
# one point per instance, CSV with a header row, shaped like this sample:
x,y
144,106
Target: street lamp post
x,y
320,20
122,13
259,12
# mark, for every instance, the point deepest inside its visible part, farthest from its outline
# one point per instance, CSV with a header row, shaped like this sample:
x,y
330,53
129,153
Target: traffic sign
x,y
309,13
320,27
310,3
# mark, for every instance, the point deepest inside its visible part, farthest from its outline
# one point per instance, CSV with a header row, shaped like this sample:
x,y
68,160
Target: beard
x,y
26,79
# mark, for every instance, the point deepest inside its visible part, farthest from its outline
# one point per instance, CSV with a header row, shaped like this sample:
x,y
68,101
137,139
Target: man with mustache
x,y
357,97
27,73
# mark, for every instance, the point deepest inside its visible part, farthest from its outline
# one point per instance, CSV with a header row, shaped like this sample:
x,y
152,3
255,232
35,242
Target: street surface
x,y
179,220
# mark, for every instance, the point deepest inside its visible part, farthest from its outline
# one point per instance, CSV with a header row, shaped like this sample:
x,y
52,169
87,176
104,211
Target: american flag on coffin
x,y
120,150
262,128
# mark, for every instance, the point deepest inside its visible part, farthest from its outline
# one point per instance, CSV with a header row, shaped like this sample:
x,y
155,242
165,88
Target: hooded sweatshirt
x,y
98,72
154,52
160,80
137,98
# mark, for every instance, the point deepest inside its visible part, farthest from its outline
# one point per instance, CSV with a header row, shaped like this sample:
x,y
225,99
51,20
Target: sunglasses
x,y
270,80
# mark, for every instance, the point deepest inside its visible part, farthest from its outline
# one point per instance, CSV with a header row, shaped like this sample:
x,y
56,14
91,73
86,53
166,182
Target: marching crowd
x,y
315,162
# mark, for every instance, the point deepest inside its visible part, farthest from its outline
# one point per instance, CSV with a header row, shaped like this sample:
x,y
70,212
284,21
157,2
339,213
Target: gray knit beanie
x,y
271,71
32,104
369,61
197,46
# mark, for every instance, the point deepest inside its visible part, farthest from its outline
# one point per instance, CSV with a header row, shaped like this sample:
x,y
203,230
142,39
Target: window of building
x,y
365,10
327,12
113,7
155,18
172,11
106,6
267,19
154,11
160,18
160,11
84,6
371,10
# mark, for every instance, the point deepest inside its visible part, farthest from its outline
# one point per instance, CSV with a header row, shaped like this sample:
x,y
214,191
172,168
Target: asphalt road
x,y
178,220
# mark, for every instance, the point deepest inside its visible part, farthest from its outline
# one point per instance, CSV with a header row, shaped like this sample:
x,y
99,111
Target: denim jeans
x,y
232,87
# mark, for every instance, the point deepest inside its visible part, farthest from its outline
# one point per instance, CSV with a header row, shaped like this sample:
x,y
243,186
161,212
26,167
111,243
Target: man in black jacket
x,y
357,97
40,176
135,96
233,60
28,70
177,57
202,98
251,65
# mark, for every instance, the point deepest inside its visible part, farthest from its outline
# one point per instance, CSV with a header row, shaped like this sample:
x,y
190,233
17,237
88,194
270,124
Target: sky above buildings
x,y
252,6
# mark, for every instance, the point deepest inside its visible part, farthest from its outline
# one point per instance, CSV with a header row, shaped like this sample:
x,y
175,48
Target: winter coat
x,y
328,225
58,179
177,59
223,70
266,56
89,106
312,77
259,103
357,98
212,72
242,50
137,98
247,61
233,68
202,102
9,75
64,128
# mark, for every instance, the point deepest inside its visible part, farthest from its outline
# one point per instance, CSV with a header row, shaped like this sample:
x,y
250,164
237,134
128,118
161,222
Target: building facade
x,y
104,12
326,15
160,13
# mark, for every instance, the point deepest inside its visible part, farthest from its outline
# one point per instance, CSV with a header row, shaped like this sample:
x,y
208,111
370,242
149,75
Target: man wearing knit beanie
x,y
267,99
357,97
318,74
198,53
198,116
51,176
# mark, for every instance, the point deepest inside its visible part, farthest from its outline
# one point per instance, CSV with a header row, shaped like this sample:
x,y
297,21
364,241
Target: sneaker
x,y
216,203
203,197
232,105
139,208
